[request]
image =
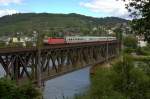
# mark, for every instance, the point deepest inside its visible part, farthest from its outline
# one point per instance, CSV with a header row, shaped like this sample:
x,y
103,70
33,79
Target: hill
x,y
48,23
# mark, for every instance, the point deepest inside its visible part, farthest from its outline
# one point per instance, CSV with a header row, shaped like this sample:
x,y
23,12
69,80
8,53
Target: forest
x,y
46,23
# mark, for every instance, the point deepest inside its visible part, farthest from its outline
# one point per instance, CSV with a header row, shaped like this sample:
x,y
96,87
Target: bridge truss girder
x,y
54,61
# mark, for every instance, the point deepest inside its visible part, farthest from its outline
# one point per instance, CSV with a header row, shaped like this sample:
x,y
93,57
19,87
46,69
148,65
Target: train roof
x,y
89,37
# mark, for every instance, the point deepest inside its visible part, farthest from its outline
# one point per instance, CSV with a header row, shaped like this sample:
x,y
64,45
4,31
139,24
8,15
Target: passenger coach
x,y
76,39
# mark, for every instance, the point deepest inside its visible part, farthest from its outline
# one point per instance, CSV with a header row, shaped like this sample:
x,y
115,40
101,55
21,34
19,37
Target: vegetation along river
x,y
67,85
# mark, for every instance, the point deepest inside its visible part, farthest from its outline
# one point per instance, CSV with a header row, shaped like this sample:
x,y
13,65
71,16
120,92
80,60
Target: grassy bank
x,y
122,80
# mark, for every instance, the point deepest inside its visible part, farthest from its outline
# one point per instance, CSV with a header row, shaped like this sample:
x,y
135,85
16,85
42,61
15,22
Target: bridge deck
x,y
52,46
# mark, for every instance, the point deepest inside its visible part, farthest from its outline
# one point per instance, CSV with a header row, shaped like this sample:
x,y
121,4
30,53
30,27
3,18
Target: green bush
x,y
130,42
128,50
102,85
130,80
9,90
143,50
124,80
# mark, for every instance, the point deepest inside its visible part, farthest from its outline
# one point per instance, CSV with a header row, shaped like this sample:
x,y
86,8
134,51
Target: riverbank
x,y
104,65
119,80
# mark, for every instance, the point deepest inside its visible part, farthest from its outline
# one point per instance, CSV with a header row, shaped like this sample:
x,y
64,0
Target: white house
x,y
141,42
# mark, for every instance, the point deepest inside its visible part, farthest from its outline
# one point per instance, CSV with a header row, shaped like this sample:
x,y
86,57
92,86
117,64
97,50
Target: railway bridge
x,y
57,59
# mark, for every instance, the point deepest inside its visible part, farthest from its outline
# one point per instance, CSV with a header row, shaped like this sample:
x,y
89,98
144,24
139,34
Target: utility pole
x,y
107,49
38,45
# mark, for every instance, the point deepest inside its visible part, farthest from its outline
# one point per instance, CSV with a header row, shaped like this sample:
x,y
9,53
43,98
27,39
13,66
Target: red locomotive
x,y
52,40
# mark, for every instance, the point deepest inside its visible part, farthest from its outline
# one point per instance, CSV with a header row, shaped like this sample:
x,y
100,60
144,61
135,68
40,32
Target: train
x,y
76,39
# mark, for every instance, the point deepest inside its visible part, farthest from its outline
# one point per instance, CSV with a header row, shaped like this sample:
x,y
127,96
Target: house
x,y
141,42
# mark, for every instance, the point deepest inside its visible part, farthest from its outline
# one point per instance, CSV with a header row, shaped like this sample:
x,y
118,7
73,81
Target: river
x,y
67,85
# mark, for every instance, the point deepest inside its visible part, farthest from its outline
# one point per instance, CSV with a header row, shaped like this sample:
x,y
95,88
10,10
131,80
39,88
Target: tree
x,y
130,42
139,9
118,32
9,90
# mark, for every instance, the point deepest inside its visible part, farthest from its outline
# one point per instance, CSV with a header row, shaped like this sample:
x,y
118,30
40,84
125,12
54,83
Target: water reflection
x,y
2,71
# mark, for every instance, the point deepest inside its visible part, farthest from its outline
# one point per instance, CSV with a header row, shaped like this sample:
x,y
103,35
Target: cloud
x,y
7,2
107,7
7,12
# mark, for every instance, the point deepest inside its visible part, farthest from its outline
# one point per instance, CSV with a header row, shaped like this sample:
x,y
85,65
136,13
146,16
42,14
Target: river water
x,y
67,85
2,72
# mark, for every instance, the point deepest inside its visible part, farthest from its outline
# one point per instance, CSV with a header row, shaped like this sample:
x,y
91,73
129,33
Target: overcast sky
x,y
95,8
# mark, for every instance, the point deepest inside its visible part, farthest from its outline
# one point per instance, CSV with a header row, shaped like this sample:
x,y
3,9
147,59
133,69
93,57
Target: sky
x,y
94,8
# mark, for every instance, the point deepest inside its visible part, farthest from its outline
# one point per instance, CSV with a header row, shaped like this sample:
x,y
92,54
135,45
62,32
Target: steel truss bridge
x,y
51,61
